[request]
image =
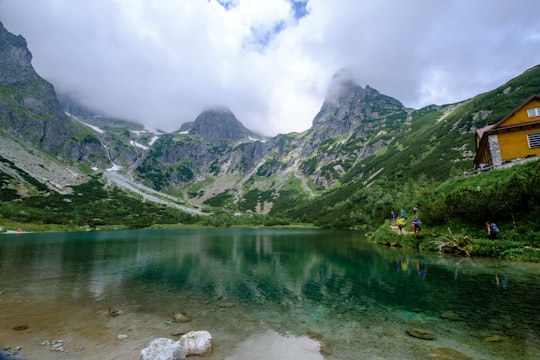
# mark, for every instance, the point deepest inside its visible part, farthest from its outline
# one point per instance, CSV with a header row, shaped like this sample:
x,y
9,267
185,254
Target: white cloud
x,y
162,62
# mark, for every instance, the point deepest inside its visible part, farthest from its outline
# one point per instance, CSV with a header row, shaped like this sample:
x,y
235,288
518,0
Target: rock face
x,y
217,144
348,106
347,129
15,62
30,111
193,343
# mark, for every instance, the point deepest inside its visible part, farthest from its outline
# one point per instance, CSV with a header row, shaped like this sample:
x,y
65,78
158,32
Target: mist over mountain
x,y
217,124
214,162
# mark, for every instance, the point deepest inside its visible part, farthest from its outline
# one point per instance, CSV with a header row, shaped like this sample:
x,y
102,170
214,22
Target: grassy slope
x,y
437,144
510,197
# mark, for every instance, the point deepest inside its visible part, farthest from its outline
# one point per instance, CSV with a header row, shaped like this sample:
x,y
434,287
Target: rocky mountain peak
x,y
350,102
30,111
341,88
15,62
218,124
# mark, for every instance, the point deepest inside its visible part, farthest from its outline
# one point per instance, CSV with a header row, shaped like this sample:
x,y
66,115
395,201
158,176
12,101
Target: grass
x,y
477,245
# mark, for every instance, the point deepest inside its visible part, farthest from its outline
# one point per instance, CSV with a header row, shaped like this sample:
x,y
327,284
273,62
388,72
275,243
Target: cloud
x,y
162,62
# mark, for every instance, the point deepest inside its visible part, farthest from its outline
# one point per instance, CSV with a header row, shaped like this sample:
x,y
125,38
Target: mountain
x,y
30,111
348,129
219,124
359,140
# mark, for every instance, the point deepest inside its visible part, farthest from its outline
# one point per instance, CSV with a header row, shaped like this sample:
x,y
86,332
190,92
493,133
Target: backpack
x,y
494,227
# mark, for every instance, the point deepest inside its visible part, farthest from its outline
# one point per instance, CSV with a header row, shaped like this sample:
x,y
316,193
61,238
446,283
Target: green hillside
x,y
436,144
454,213
430,146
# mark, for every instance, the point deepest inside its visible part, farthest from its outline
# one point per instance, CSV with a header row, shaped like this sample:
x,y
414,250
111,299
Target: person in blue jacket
x,y
492,230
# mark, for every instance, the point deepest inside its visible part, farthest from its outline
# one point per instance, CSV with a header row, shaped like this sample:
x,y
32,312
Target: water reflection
x,y
284,281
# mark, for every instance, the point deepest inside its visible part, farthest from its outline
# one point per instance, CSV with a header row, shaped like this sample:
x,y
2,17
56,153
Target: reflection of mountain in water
x,y
276,277
295,269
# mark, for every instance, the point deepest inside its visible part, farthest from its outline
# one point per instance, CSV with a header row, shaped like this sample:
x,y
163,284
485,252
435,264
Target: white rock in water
x,y
122,337
163,349
197,343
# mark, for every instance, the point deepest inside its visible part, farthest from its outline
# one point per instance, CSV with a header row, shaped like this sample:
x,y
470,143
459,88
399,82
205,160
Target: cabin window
x,y
533,112
534,140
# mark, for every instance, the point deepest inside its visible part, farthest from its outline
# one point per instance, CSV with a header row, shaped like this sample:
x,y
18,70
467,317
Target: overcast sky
x,y
162,62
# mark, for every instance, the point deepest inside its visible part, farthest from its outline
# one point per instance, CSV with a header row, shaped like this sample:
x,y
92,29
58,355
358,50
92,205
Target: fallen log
x,y
454,246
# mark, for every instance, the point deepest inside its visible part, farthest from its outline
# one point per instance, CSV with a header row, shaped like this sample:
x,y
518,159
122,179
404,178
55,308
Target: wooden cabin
x,y
516,136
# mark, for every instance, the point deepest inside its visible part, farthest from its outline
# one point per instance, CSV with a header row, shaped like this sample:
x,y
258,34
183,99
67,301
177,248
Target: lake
x,y
262,294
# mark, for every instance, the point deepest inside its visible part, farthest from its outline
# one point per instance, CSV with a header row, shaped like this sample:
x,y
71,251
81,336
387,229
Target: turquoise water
x,y
257,290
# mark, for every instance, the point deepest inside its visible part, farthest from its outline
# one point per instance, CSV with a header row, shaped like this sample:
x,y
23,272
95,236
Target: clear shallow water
x,y
262,294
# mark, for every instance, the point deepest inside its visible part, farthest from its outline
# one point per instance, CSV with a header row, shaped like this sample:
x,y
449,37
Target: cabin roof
x,y
496,126
480,132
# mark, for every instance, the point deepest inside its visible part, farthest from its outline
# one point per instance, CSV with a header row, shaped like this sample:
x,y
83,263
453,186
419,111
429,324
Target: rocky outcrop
x,y
15,62
179,159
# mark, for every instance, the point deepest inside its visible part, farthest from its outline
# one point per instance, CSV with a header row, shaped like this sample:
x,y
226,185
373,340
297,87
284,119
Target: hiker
x,y
400,224
393,217
492,230
415,225
415,209
402,213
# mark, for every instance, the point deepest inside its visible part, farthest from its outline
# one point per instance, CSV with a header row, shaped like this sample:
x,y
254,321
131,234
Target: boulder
x,y
197,343
163,349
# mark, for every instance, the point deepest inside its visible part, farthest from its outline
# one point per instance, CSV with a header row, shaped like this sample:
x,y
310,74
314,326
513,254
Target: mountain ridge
x,y
358,137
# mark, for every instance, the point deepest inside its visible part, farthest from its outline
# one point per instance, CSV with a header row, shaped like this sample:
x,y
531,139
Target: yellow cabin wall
x,y
514,144
520,116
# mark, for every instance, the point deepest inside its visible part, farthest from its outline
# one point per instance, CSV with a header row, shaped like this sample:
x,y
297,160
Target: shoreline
x,y
463,245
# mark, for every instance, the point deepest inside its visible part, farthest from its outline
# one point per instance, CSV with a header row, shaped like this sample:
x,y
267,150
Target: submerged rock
x,y
493,338
420,333
226,305
314,335
181,317
54,345
450,315
448,354
20,327
177,332
324,347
